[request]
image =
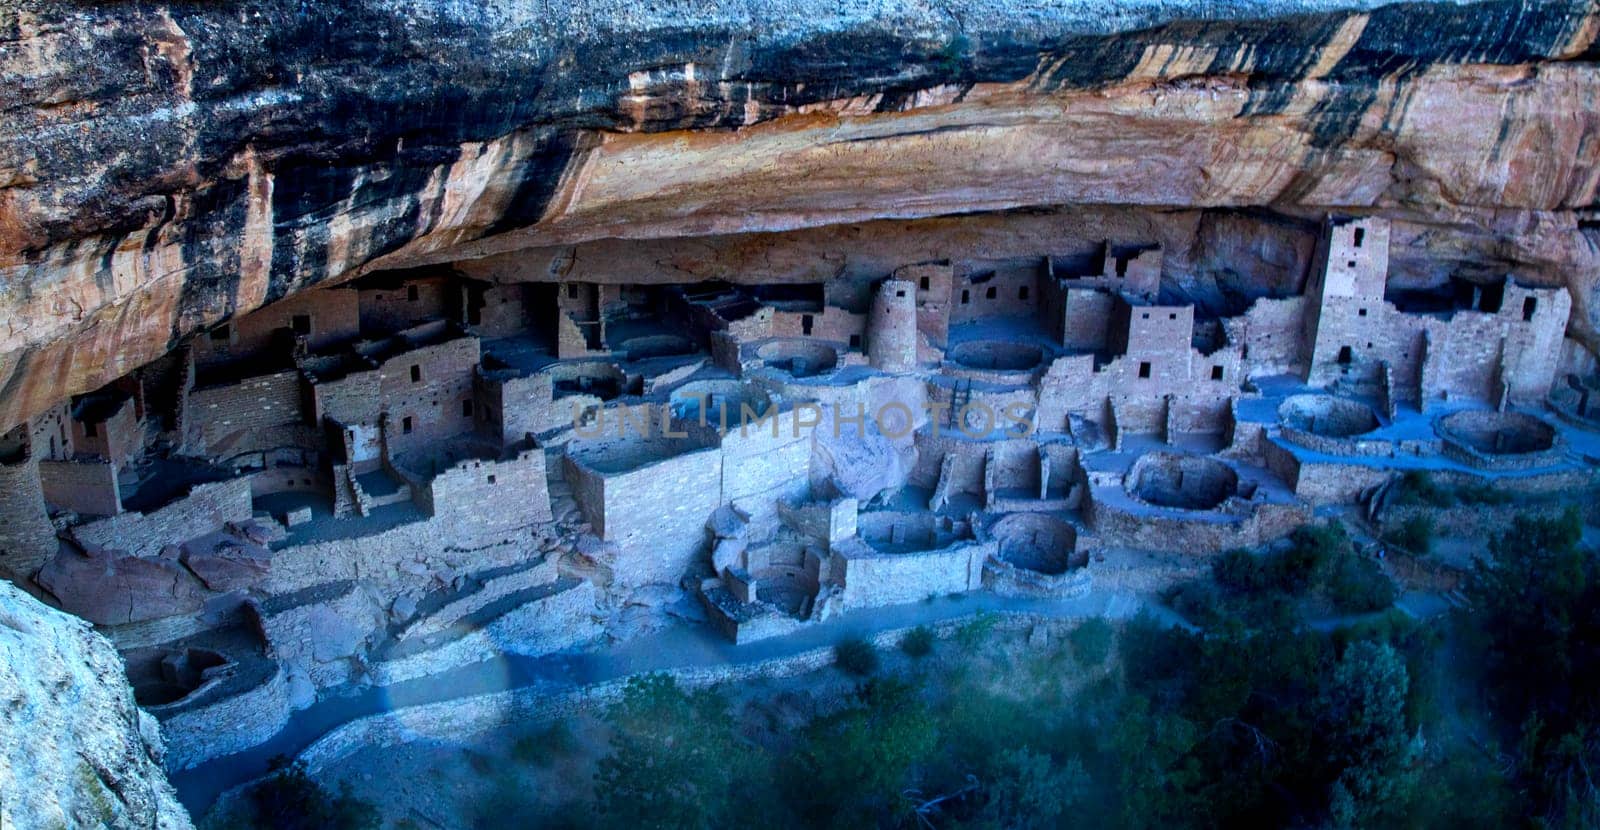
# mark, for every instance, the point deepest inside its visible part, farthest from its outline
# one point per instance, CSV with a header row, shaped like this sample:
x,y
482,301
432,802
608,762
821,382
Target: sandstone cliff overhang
x,y
166,166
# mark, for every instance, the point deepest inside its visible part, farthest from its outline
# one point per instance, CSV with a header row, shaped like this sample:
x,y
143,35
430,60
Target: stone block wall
x,y
27,539
1085,314
425,394
330,316
1271,334
252,404
892,579
117,439
656,513
478,499
400,306
204,510
86,487
892,327
996,289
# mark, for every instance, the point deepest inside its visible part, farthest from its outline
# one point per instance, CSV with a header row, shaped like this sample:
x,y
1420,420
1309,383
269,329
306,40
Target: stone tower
x,y
892,327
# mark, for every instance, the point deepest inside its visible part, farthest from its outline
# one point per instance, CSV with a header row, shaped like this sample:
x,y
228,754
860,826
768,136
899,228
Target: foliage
x,y
918,642
1356,584
856,656
855,764
1416,487
973,632
1537,604
543,747
1362,710
289,799
674,759
1414,534
1091,641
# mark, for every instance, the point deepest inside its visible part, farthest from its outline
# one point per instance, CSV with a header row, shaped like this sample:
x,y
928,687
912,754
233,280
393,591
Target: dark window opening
x,y
411,293
1144,370
1022,293
1361,236
1346,355
416,374
924,283
989,294
91,430
1216,373
491,479
900,293
301,323
1172,316
805,323
405,425
572,291
221,333
1362,312
966,296
466,409
1144,316
855,341
1529,306
1351,263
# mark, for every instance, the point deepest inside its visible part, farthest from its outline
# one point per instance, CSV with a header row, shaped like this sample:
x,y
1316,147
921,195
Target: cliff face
x,y
164,166
74,750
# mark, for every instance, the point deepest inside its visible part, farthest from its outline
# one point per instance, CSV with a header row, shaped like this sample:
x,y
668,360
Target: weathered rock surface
x,y
74,749
109,587
166,165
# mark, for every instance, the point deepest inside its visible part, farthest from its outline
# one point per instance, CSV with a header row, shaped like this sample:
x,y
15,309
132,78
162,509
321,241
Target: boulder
x,y
112,588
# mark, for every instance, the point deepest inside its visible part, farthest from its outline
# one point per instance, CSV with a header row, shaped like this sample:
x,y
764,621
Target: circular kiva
x,y
1036,542
1185,482
1328,416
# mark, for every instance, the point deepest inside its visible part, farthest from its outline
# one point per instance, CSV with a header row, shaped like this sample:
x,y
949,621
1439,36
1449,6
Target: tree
x,y
674,758
1362,716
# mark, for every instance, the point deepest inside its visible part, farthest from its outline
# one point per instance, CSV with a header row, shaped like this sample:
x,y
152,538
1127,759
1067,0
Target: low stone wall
x,y
1200,534
1008,580
230,725
204,510
871,581
492,590
551,623
533,705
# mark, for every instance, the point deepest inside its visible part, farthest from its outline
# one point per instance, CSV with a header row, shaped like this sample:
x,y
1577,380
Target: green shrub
x,y
1417,487
856,656
1091,641
1198,601
290,799
976,630
1240,570
1357,585
918,642
1483,493
1414,534
543,747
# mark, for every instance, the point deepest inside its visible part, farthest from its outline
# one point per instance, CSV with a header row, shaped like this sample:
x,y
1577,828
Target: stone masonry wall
x,y
27,539
204,510
85,487
252,404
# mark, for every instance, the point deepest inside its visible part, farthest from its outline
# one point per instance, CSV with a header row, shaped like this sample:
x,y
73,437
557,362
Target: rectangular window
x,y
1529,306
572,291
1361,236
966,296
1172,316
405,425
1361,312
1351,263
416,374
805,324
900,293
221,333
990,294
91,430
301,323
491,479
1022,293
411,293
466,409
1216,373
924,283
1144,370
855,341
